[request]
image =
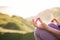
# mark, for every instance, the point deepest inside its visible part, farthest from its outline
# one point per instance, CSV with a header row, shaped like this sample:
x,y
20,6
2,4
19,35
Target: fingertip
x,y
40,20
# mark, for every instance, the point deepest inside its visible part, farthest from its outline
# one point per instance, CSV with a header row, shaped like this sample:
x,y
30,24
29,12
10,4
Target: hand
x,y
41,25
54,20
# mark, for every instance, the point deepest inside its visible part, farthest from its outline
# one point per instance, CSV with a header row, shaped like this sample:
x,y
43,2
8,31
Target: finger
x,y
56,20
35,23
52,20
39,20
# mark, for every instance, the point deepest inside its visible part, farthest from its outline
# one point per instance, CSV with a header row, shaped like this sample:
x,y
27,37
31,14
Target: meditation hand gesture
x,y
37,22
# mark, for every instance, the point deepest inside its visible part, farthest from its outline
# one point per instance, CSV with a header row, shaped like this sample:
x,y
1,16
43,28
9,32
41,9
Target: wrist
x,y
48,28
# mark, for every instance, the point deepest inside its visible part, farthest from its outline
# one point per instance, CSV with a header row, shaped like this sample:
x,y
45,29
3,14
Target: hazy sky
x,y
26,8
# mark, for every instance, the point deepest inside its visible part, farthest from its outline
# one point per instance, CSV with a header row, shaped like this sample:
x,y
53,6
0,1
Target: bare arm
x,y
53,31
47,28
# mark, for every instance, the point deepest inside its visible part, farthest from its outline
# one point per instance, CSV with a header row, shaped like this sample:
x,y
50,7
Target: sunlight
x,y
27,8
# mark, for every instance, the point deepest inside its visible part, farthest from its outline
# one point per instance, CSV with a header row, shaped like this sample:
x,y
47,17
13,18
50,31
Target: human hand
x,y
54,19
37,22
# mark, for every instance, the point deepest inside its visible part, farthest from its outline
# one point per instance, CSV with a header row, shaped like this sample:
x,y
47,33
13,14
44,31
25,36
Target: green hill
x,y
15,28
17,36
15,22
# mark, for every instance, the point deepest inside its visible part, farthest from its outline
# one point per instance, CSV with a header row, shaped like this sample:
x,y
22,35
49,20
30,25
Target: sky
x,y
26,8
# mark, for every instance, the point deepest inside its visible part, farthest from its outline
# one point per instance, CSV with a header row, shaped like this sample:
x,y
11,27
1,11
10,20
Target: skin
x,y
46,27
56,21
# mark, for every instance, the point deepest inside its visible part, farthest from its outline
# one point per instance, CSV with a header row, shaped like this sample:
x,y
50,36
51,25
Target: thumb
x,y
38,19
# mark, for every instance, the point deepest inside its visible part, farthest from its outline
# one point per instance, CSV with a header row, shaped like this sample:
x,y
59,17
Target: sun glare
x,y
26,8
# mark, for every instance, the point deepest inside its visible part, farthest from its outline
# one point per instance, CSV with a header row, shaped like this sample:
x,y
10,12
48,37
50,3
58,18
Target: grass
x,y
17,36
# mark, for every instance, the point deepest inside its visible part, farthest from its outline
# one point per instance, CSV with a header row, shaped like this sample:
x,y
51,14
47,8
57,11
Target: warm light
x,y
27,8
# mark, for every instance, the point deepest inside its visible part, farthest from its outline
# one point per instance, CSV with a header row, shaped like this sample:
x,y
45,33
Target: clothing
x,y
59,26
45,35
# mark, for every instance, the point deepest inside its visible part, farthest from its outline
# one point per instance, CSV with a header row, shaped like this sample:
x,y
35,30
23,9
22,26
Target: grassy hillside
x,y
15,22
17,36
15,28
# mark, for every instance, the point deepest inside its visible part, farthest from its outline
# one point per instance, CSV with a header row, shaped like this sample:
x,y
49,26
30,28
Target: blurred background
x,y
16,17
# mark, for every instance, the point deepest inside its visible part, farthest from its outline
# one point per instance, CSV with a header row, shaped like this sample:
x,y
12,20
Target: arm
x,y
53,31
47,28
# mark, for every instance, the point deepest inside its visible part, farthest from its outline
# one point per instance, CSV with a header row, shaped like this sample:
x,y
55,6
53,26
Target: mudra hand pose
x,y
44,31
